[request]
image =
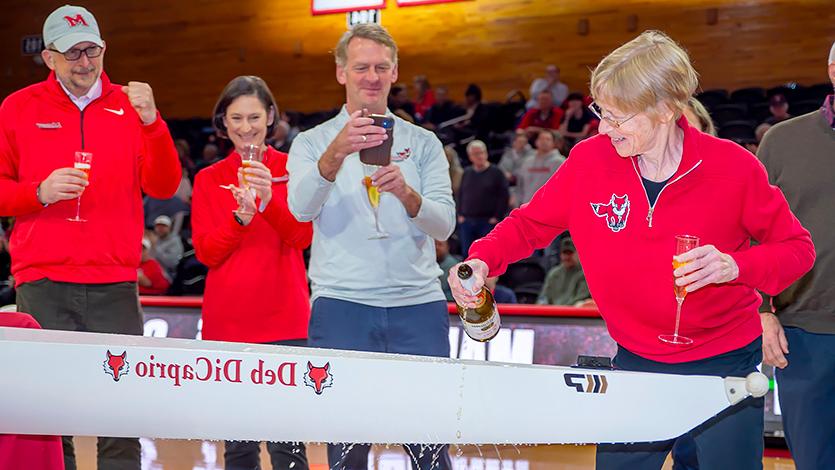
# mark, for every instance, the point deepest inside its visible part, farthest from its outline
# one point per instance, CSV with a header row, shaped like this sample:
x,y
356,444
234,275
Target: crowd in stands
x,y
499,154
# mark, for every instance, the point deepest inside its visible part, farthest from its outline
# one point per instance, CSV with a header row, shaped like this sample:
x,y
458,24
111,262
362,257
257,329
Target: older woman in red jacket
x,y
624,195
256,289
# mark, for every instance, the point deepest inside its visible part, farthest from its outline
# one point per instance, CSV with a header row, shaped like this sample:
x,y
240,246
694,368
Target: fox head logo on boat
x,y
116,366
318,378
616,211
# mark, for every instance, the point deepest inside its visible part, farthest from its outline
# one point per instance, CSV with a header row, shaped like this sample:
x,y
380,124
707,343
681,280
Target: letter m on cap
x,y
76,21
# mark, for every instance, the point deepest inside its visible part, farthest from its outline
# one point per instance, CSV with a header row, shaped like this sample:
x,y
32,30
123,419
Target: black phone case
x,y
381,154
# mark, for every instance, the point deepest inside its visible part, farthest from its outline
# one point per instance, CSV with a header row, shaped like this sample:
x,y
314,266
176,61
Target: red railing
x,y
505,309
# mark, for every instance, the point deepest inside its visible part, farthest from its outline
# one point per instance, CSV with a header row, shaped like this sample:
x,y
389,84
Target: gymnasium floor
x,y
205,455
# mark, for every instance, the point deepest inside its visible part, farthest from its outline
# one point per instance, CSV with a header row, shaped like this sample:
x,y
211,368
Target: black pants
x,y
245,455
98,308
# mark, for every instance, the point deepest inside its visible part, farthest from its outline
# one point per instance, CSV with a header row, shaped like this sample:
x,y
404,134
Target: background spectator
x,y
456,172
174,208
537,168
184,153
501,294
565,284
577,123
400,104
424,97
779,109
168,248
699,117
511,161
281,137
482,198
543,116
475,122
551,82
151,277
445,261
759,133
442,111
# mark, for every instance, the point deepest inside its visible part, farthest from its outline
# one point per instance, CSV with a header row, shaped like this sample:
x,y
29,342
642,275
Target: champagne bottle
x,y
481,323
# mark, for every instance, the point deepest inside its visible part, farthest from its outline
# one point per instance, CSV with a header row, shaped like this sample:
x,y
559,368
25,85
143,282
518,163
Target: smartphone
x,y
381,154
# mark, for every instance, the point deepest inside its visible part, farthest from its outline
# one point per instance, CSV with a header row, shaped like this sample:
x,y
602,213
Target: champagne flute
x,y
251,153
684,243
374,200
84,162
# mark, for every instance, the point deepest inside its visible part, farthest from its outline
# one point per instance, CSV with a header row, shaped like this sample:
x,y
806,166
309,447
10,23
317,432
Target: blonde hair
x,y
370,31
702,114
646,71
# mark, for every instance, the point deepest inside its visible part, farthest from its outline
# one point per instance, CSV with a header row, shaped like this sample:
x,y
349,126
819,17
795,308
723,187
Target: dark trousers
x,y
806,390
731,439
470,230
246,455
98,308
415,329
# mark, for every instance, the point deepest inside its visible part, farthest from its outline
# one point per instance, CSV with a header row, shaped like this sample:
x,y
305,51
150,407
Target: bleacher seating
x,y
523,272
748,96
739,131
712,98
723,113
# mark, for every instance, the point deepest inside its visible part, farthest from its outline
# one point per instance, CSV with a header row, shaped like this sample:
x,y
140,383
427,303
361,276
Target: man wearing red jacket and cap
x,y
73,274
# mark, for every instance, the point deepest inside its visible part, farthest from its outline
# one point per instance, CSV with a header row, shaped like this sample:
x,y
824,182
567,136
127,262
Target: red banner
x,y
409,3
323,7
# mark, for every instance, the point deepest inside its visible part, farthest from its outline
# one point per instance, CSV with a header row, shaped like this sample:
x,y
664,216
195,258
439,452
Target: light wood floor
x,y
205,455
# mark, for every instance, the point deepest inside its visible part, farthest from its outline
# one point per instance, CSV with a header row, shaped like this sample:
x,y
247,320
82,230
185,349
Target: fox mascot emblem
x,y
116,366
616,211
318,378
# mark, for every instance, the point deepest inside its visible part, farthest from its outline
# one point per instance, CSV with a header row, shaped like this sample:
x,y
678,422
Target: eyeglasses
x,y
75,54
598,113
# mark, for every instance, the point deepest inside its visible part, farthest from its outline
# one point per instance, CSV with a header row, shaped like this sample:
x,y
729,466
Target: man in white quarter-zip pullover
x,y
373,294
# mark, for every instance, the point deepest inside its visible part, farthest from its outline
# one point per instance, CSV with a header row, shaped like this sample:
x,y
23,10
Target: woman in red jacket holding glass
x,y
256,289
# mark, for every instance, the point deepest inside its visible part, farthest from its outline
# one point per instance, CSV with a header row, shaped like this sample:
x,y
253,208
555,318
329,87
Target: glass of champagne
x,y
84,162
251,153
374,200
684,243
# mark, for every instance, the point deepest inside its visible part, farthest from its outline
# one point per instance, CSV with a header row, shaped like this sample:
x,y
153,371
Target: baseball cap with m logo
x,y
70,25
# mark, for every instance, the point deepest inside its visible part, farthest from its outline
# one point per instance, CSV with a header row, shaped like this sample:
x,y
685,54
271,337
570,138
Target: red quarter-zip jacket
x,y
719,193
40,131
256,289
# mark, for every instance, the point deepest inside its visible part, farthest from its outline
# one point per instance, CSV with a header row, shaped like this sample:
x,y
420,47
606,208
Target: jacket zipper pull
x,y
649,216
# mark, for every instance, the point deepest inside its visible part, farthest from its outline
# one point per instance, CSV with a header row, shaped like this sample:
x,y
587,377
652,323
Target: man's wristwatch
x,y
239,220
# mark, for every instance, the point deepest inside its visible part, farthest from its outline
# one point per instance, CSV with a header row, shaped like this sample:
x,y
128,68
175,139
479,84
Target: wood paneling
x,y
189,49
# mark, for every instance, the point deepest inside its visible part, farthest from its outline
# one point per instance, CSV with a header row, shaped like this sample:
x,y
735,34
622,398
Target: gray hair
x,y
832,54
476,144
370,31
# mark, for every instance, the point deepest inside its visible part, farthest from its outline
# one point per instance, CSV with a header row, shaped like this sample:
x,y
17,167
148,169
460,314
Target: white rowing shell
x,y
64,383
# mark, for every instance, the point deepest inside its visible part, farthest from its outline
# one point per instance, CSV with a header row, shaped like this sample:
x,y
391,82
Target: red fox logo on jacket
x,y
318,378
116,366
616,212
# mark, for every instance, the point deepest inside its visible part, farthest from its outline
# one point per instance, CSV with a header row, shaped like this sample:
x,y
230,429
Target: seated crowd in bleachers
x,y
506,150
